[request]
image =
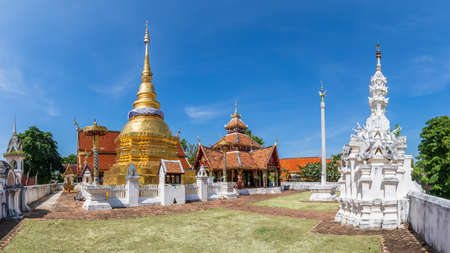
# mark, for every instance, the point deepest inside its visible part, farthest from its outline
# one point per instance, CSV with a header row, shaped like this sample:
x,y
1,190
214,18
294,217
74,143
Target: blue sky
x,y
61,60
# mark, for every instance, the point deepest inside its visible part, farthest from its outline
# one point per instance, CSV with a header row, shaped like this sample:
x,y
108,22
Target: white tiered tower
x,y
375,171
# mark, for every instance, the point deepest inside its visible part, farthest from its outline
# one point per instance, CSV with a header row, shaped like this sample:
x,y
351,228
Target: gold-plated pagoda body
x,y
146,138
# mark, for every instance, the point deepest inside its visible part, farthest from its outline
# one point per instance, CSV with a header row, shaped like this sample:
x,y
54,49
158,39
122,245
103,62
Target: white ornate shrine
x,y
375,171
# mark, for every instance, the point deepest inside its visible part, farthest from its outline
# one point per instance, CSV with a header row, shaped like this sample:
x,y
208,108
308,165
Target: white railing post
x,y
132,187
202,183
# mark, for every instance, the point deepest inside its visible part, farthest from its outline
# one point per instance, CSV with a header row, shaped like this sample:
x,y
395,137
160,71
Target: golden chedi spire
x,y
146,96
145,139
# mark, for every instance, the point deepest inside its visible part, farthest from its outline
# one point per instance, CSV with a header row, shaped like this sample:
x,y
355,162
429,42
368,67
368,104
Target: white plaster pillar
x,y
202,183
132,191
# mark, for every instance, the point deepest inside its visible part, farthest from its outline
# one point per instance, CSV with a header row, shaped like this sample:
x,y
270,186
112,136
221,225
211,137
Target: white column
x,y
323,180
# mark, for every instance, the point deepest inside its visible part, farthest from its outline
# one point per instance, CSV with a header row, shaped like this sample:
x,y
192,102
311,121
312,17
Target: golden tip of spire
x,y
378,57
235,114
146,37
199,142
321,85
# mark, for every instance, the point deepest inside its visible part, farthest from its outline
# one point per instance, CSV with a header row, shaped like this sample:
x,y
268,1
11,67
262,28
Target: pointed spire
x,y
146,94
378,58
14,128
322,92
235,114
146,70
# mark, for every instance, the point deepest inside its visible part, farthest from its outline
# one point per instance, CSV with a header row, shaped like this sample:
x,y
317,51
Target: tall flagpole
x,y
322,93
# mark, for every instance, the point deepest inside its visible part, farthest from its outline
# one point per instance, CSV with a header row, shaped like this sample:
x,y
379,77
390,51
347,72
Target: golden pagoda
x,y
146,138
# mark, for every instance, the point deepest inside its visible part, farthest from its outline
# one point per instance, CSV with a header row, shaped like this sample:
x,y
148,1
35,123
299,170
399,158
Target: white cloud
x,y
426,75
201,112
11,81
119,87
13,86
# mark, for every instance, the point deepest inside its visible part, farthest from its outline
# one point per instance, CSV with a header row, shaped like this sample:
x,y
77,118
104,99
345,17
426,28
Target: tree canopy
x,y
432,169
70,159
256,139
313,171
190,150
42,155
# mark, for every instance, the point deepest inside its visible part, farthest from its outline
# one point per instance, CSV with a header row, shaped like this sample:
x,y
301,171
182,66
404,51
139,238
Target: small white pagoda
x,y
375,171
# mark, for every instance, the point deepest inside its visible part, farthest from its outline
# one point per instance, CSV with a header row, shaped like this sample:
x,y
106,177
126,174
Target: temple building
x,y
146,139
237,158
291,167
11,189
106,152
375,170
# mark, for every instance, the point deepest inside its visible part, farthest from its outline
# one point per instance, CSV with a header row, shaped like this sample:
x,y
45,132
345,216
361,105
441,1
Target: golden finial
x,y
199,142
178,132
235,115
378,58
95,122
322,92
276,142
146,37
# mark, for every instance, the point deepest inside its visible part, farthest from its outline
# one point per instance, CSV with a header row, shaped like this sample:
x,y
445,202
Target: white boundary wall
x,y
429,216
36,192
304,185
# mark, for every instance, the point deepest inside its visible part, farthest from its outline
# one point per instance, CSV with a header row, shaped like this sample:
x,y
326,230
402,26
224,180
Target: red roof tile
x,y
173,167
291,164
238,139
258,159
235,123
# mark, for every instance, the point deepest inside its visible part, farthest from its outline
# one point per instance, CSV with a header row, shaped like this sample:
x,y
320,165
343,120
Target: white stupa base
x,y
323,193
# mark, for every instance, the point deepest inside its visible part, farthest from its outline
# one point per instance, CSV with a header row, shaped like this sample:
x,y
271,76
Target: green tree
x,y
70,159
432,169
256,139
398,133
333,173
41,152
190,150
313,171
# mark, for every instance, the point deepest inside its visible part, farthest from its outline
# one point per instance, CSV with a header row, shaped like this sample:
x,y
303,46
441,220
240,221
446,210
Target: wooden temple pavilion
x,y
237,158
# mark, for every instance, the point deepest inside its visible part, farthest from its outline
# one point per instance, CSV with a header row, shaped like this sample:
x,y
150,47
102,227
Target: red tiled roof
x,y
173,167
182,157
258,159
291,164
262,156
235,123
238,139
70,169
106,143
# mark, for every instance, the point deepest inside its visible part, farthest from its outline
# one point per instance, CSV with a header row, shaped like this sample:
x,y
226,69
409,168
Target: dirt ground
x,y
399,240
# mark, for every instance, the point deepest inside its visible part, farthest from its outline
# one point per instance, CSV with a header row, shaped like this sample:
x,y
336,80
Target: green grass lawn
x,y
213,230
293,202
